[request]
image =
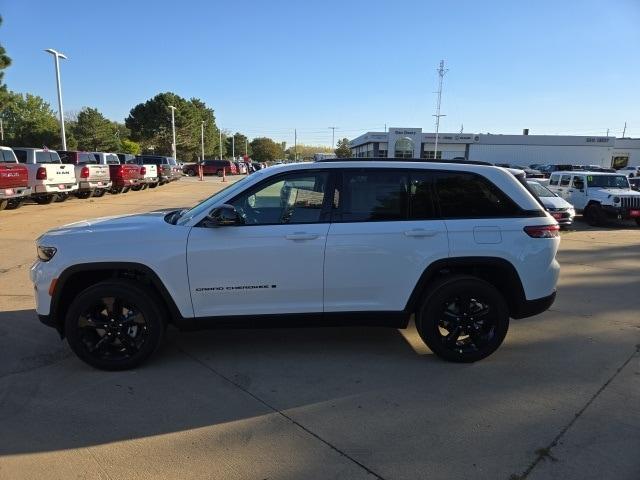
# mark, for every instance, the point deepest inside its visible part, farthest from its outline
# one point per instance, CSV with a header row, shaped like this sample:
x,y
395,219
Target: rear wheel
x,y
14,203
463,319
190,173
45,199
62,197
219,173
153,185
84,194
4,203
594,215
115,325
99,192
125,189
136,188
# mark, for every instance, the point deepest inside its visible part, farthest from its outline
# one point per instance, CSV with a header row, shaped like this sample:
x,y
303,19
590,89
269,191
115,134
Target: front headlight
x,y
46,253
616,199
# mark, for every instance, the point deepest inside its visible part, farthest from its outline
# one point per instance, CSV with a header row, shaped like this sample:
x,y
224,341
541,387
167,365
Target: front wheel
x,y
45,199
594,215
115,325
463,319
99,192
14,203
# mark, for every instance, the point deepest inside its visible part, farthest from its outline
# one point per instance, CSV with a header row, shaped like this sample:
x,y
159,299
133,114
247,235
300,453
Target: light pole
x,y
201,165
173,129
56,56
333,136
224,170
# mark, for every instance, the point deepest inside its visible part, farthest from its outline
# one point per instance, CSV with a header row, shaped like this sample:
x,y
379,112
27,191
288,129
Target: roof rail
x,y
422,160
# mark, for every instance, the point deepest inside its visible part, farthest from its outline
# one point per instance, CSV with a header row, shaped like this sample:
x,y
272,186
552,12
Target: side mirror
x,y
225,215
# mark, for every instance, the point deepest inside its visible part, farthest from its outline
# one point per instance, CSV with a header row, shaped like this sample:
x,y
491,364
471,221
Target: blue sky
x,y
568,67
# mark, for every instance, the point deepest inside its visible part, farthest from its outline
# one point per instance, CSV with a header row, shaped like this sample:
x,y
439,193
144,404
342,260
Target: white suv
x,y
463,247
598,196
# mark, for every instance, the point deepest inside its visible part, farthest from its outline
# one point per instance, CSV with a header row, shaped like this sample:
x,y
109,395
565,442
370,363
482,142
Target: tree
x,y
5,61
265,150
343,150
305,152
129,146
29,121
241,145
150,126
94,132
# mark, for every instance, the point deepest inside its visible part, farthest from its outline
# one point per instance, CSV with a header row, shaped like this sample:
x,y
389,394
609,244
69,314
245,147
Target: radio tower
x,y
441,72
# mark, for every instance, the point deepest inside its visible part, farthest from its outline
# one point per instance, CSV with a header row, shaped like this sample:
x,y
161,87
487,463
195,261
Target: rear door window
x,y
374,195
421,200
554,180
467,195
47,157
564,180
86,159
21,155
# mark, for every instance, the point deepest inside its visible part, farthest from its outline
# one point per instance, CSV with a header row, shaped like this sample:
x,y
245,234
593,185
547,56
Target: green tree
x,y
305,152
5,61
241,145
265,150
343,150
150,126
96,133
129,146
29,121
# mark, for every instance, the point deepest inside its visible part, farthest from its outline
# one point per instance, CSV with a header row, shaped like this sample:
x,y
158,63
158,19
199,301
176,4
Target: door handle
x,y
301,236
420,232
571,190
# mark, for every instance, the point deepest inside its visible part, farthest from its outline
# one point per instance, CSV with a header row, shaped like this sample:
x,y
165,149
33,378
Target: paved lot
x,y
559,400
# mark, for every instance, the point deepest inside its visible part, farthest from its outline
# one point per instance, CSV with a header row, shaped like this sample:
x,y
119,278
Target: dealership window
x,y
382,150
430,155
404,148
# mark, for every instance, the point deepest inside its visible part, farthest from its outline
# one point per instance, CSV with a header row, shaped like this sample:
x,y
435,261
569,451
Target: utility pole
x,y
385,128
333,136
1,131
224,169
461,127
295,145
56,58
201,163
607,132
233,147
441,72
173,130
624,130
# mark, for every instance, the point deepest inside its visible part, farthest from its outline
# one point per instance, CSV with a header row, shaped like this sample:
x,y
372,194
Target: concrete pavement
x,y
560,398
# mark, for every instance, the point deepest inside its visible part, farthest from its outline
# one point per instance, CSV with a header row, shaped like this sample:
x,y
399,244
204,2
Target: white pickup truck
x,y
49,179
93,179
598,196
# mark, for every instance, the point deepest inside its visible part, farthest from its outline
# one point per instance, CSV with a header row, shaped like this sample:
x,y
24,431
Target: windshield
x,y
7,156
541,190
207,204
607,181
46,156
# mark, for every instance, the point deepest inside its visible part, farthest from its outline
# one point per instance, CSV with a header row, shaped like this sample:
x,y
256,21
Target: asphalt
x,y
559,400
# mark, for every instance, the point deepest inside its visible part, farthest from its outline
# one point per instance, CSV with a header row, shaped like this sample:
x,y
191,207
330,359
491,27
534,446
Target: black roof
x,y
422,160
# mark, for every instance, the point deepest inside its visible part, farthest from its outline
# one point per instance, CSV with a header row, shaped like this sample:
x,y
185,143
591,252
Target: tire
x,y
110,338
62,197
153,185
136,188
125,189
593,215
14,203
84,194
467,339
4,203
45,199
116,190
638,221
219,173
190,173
99,192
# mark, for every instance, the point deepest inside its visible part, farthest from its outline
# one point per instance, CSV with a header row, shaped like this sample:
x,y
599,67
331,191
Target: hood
x,y
122,223
616,192
555,202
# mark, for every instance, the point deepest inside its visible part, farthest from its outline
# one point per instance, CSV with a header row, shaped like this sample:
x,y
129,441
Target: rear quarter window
x,y
467,195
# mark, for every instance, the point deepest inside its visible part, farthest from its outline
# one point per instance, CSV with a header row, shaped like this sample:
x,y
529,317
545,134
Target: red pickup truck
x,y
123,176
14,180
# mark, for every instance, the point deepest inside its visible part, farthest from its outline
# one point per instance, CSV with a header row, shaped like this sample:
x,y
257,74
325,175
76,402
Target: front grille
x,y
630,202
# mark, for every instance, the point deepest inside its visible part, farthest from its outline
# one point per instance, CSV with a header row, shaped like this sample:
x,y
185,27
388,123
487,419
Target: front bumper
x,y
620,213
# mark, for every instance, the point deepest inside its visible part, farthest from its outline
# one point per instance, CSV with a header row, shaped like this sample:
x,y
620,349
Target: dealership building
x,y
514,149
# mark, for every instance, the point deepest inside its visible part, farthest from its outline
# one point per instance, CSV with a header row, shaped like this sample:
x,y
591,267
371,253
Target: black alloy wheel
x,y
463,319
115,325
99,192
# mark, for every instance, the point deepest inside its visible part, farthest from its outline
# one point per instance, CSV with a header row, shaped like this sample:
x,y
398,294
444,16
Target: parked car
x,y
123,177
547,170
176,171
212,167
598,195
241,167
630,171
50,180
14,180
529,172
333,232
93,179
163,166
558,207
149,177
635,183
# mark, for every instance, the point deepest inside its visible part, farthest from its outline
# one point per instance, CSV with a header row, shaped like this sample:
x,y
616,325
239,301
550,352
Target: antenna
x,y
624,130
441,72
461,127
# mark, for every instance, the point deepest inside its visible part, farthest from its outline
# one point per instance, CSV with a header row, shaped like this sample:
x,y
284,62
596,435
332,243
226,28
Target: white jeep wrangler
x,y
598,196
463,247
